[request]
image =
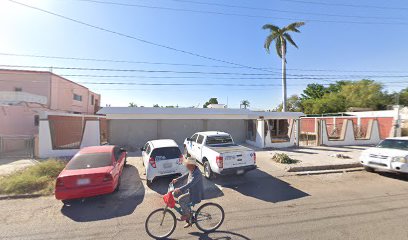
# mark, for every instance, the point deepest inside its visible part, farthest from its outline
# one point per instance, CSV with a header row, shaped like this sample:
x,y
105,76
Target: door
x,y
192,146
198,148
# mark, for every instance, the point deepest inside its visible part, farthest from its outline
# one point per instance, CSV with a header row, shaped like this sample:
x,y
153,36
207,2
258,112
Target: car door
x,y
145,155
193,143
199,147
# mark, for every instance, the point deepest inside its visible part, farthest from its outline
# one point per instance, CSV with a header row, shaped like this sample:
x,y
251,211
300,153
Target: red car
x,y
92,171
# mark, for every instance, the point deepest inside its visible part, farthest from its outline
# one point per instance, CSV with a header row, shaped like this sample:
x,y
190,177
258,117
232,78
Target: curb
x,y
324,167
306,173
20,196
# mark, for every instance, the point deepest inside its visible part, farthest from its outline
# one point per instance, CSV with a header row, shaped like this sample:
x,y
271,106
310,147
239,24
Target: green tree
x,y
156,105
314,91
281,36
131,104
329,103
245,103
294,104
364,94
211,101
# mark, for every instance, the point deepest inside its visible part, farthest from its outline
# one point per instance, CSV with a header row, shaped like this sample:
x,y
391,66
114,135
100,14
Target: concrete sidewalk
x,y
316,158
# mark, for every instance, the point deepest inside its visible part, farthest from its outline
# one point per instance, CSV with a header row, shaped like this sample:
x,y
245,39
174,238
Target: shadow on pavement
x,y
121,203
160,185
397,176
219,235
260,185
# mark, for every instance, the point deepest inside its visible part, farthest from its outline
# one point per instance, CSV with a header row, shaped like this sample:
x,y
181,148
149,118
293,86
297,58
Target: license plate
x,y
240,171
167,165
83,181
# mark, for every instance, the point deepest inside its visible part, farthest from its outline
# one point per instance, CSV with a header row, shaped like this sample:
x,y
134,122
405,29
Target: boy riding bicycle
x,y
192,192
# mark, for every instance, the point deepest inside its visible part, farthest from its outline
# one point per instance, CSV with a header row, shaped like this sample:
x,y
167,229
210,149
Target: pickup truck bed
x,y
229,148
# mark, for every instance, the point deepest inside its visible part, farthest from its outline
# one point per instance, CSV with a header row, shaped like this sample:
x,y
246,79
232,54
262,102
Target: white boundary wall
x,y
91,137
348,138
262,141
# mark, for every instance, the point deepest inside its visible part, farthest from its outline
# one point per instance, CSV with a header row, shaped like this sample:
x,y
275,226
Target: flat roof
x,y
192,113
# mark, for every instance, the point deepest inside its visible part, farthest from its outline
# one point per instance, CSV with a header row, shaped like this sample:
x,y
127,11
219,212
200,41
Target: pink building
x,y
25,95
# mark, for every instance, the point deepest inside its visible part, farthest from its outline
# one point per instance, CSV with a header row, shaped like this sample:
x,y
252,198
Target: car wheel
x,y
207,170
369,169
149,183
125,164
67,202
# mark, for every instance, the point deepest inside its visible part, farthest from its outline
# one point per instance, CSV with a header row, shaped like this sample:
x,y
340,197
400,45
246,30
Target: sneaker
x,y
188,225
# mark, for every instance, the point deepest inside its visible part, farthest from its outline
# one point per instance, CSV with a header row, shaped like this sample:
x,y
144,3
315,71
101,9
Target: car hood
x,y
390,152
66,173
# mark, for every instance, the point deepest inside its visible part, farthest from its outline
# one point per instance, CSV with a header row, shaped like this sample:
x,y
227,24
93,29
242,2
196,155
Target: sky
x,y
183,52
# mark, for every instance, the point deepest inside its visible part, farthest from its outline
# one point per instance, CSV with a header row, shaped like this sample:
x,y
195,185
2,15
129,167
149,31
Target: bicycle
x,y
162,222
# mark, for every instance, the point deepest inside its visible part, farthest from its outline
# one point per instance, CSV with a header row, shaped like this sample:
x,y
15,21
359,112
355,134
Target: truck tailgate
x,y
235,156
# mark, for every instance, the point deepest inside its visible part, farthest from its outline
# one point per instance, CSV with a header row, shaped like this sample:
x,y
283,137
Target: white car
x,y
161,158
218,153
390,154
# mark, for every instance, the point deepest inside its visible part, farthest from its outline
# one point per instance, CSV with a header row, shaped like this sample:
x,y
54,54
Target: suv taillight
x,y
108,177
180,161
152,162
254,158
220,161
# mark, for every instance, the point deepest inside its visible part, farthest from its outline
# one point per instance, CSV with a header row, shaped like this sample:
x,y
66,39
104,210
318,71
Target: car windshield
x,y
90,160
213,140
165,153
394,143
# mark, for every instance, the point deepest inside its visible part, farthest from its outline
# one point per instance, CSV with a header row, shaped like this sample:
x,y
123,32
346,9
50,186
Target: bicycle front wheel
x,y
161,223
209,217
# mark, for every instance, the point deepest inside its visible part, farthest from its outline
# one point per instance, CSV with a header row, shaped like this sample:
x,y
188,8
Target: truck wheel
x,y
368,169
207,170
186,154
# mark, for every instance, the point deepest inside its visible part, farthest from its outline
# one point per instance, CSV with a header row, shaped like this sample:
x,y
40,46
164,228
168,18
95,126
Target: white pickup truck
x,y
218,153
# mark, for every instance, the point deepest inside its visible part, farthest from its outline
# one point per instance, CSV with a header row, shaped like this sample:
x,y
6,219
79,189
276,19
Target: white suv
x,y
391,155
162,157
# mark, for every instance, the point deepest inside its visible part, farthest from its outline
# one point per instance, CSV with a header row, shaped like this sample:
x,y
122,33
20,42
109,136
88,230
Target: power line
x,y
346,5
268,9
138,70
136,38
241,15
187,64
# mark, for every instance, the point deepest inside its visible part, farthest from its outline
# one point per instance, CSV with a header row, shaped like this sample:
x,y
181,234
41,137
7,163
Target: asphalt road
x,y
260,205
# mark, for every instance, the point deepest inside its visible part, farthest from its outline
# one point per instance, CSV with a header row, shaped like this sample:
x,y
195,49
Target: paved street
x,y
263,204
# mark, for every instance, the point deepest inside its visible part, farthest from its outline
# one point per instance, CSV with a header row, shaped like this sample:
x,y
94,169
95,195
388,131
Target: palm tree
x,y
281,37
131,104
245,103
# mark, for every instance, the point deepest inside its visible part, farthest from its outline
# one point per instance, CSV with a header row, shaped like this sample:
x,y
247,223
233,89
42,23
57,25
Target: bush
x,y
283,158
39,178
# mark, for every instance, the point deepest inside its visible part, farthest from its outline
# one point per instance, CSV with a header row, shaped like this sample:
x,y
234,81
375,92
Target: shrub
x,y
39,178
283,158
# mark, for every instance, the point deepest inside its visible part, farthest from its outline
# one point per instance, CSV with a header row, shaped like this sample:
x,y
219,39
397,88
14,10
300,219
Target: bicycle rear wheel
x,y
161,223
209,217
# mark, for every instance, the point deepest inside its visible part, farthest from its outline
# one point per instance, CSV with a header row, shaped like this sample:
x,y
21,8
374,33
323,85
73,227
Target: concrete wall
x,y
17,120
135,133
348,138
91,137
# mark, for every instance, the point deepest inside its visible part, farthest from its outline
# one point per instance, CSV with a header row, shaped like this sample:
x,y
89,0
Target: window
x,y
394,144
200,139
251,130
77,97
18,89
219,140
90,160
36,120
194,138
92,100
278,129
166,153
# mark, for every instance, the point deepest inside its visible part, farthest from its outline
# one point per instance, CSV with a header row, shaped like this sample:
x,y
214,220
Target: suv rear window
x,y
90,160
219,140
394,143
165,153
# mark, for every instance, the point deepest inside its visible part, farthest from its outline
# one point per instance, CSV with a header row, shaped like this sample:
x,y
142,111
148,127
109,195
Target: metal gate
x,y
310,132
16,146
